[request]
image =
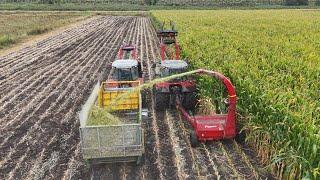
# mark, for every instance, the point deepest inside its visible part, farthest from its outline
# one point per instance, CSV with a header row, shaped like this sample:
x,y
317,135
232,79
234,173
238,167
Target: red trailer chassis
x,y
217,126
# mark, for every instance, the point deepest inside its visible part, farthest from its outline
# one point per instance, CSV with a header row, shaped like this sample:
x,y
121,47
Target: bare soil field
x,y
44,85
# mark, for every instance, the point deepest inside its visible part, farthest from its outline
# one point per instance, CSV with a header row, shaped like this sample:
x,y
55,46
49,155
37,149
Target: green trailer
x,y
108,143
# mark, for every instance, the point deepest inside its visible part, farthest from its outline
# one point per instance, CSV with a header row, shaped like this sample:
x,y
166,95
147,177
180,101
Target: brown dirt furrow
x,y
243,169
51,44
250,158
187,159
32,62
46,90
169,170
53,61
74,114
28,91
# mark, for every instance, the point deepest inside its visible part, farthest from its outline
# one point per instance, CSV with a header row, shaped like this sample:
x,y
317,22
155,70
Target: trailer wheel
x,y
144,98
189,100
88,163
193,139
162,100
139,160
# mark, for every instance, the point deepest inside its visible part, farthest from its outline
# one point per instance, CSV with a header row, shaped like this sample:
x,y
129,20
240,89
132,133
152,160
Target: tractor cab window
x,y
126,74
168,72
176,71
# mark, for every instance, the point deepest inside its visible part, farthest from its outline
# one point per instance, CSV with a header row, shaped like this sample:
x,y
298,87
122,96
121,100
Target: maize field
x,y
273,58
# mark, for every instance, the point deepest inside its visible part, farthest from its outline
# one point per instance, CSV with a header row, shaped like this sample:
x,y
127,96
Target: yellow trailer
x,y
119,95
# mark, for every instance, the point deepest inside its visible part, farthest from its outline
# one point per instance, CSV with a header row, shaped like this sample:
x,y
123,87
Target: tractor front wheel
x,y
193,139
144,98
162,100
189,100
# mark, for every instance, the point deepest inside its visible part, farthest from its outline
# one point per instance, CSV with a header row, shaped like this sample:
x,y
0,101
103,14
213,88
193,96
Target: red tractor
x,y
165,92
181,92
126,68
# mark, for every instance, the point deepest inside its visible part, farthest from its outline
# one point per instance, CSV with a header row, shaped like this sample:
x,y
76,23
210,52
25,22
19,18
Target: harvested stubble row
x,y
273,58
43,87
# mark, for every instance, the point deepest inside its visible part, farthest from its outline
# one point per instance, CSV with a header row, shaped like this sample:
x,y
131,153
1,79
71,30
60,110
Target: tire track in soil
x,y
169,170
186,153
251,156
148,170
243,169
131,170
201,166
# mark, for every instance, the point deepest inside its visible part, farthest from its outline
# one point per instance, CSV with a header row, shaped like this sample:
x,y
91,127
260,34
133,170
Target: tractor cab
x,y
126,70
170,67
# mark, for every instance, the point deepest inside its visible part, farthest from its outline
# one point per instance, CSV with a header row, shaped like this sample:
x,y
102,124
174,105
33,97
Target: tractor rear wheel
x,y
162,100
144,98
193,139
189,100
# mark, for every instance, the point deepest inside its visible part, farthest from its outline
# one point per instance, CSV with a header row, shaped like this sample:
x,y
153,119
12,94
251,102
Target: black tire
x,y
189,100
88,163
144,98
139,160
162,101
193,139
241,137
